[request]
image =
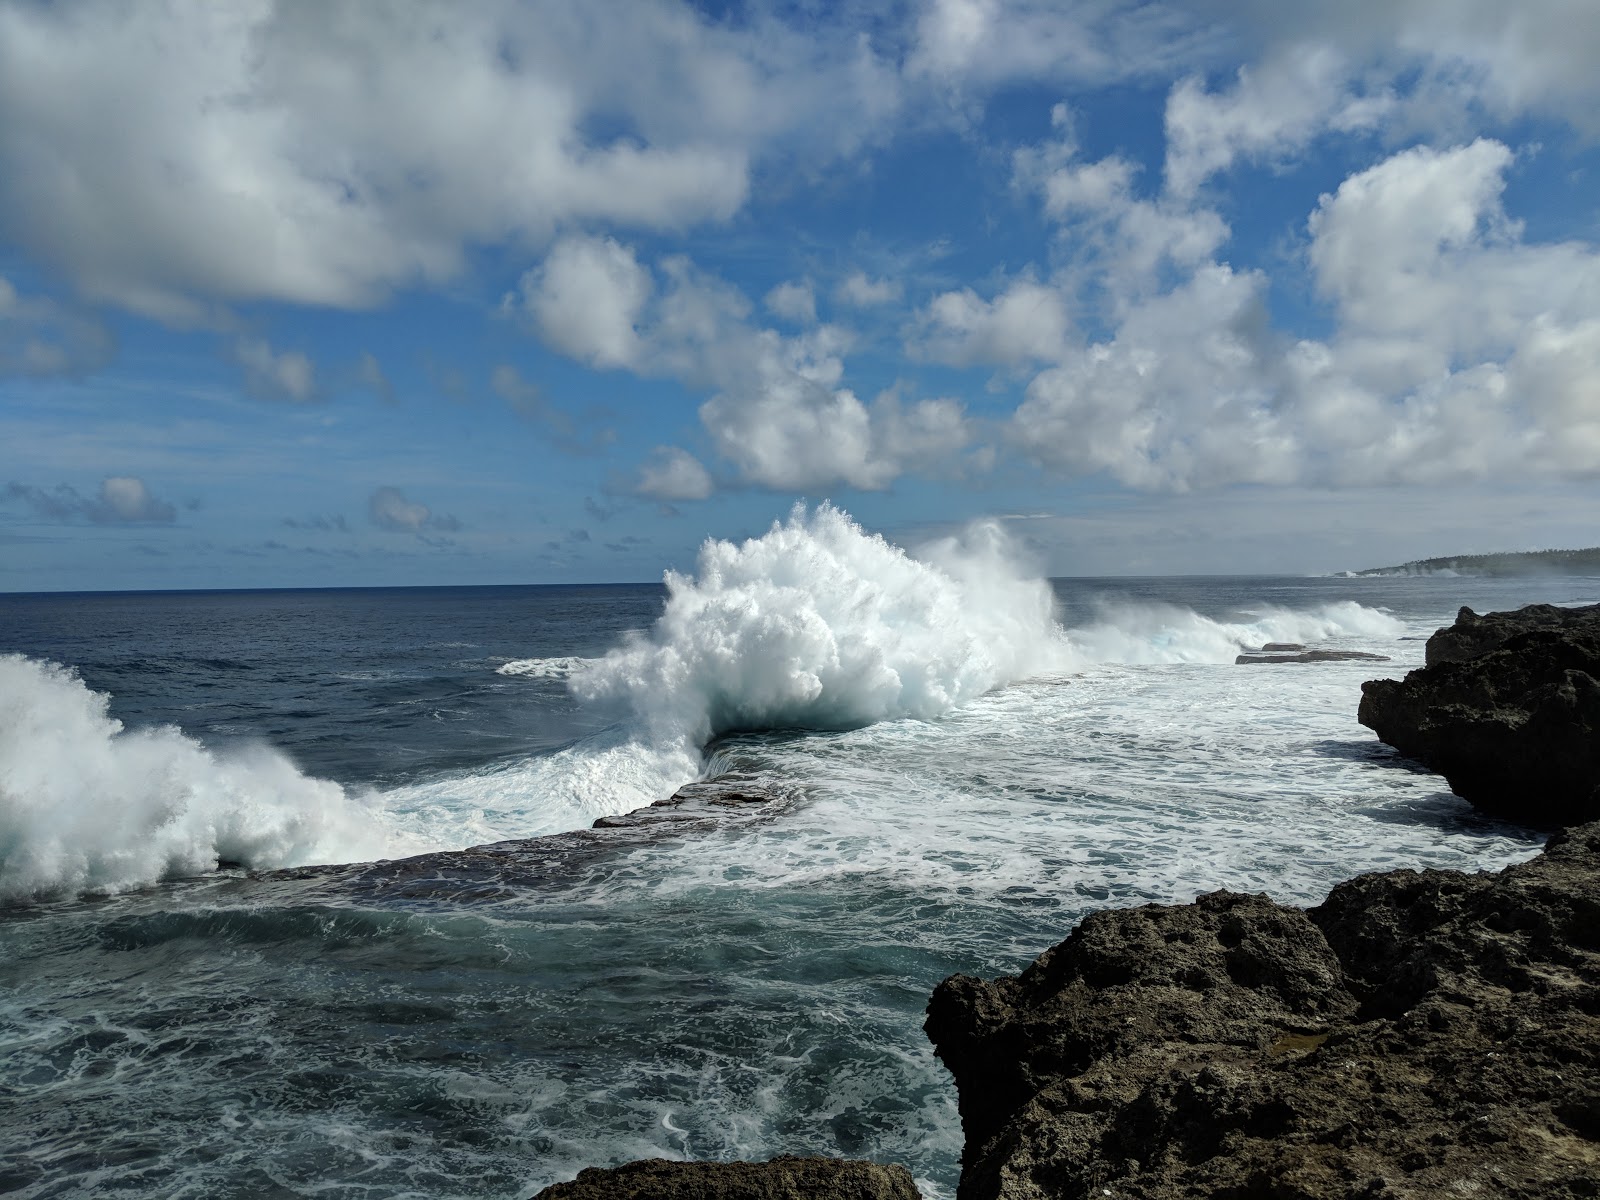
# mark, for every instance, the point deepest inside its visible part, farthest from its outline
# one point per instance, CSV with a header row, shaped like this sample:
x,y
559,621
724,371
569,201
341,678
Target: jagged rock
x,y
1420,1034
1473,635
1310,656
1515,730
783,1178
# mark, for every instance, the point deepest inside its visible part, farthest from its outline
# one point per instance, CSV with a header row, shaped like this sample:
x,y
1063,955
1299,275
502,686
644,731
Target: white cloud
x,y
121,500
1272,111
40,337
1027,322
1182,397
166,156
1459,351
288,375
673,474
1126,245
778,411
1533,57
793,301
587,298
860,290
388,509
977,44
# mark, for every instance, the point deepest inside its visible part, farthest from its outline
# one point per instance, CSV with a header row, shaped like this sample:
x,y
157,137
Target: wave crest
x,y
818,624
86,806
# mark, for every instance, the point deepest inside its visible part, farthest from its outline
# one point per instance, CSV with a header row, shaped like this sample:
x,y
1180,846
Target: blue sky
x,y
299,294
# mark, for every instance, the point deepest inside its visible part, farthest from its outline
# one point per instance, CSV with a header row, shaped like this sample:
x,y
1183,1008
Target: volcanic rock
x,y
1473,636
1268,655
1515,729
783,1178
1419,1034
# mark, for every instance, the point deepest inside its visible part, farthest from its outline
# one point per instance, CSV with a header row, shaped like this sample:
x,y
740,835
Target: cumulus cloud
x,y
975,44
778,410
860,290
794,301
269,374
121,500
389,509
1027,322
167,157
1272,111
671,473
1128,244
1458,351
1183,396
40,337
1536,57
587,298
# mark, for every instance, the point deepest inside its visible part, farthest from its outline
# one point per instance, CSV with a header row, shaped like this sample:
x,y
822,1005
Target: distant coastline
x,y
1505,565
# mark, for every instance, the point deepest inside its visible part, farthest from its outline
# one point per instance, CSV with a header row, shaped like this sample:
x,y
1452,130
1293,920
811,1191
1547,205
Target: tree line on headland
x,y
1507,563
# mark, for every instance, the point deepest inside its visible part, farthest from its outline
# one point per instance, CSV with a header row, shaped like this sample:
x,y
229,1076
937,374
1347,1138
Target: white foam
x,y
818,624
543,668
609,773
1143,632
87,806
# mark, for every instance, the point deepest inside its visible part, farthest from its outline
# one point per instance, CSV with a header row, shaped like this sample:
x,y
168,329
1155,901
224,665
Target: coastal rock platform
x,y
1419,1034
1508,712
783,1178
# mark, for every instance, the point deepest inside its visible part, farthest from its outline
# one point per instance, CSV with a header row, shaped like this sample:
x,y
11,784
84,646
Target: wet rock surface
x,y
784,1178
1508,712
1419,1034
1270,654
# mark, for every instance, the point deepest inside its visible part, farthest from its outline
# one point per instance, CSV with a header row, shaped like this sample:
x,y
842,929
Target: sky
x,y
305,294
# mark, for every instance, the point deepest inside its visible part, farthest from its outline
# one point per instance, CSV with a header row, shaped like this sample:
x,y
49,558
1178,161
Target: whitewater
x,y
962,759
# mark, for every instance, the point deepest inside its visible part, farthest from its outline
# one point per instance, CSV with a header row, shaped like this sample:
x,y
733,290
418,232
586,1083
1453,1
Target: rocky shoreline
x,y
1418,1034
1507,710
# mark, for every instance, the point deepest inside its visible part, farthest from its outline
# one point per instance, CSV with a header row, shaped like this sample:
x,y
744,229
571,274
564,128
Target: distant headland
x,y
1511,563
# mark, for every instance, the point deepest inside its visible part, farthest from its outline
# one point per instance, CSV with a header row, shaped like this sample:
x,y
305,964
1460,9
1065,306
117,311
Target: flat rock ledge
x,y
783,1178
1299,654
1508,712
1417,1035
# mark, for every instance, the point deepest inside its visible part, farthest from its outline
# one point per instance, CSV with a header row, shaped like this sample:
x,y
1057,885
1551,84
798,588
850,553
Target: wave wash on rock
x,y
87,806
820,625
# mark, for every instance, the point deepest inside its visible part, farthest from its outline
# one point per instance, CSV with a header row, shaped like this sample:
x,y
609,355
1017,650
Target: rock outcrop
x,y
1417,1035
1509,712
1267,654
783,1178
1473,636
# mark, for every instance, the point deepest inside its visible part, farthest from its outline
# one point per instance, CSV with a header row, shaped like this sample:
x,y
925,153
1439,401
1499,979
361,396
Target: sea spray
x,y
88,806
1144,632
819,625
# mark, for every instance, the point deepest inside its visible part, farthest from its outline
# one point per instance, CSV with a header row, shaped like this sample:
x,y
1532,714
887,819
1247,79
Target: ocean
x,y
946,764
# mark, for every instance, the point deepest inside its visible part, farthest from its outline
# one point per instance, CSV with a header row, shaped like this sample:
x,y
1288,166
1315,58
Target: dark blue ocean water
x,y
483,1027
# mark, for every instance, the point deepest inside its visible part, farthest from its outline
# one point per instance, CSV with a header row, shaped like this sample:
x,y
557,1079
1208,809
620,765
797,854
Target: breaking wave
x,y
88,806
819,625
816,624
1162,633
